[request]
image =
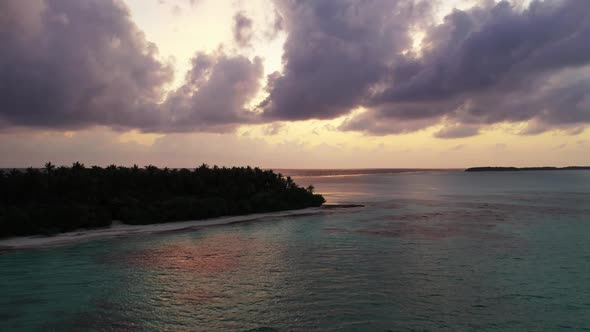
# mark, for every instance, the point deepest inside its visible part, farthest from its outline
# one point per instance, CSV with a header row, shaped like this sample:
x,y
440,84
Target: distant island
x,y
512,169
60,199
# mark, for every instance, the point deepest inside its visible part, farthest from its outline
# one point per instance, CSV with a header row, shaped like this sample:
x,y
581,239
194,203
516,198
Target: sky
x,y
295,84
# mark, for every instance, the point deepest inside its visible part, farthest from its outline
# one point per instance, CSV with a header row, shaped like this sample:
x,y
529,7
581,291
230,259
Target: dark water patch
x,y
25,301
405,202
336,230
341,206
434,225
524,297
551,203
535,198
97,321
526,212
275,219
105,304
428,233
9,316
262,329
389,204
482,219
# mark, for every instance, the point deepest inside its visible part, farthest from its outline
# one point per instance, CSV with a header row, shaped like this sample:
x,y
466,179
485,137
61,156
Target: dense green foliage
x,y
61,199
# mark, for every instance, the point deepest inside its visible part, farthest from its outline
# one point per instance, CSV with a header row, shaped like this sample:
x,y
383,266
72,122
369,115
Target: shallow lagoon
x,y
430,250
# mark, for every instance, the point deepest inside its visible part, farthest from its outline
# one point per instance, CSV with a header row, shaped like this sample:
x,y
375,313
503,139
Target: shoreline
x,y
118,229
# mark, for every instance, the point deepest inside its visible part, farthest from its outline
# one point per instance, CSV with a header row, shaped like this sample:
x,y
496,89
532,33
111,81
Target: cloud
x,y
273,128
72,64
242,29
374,123
457,147
277,25
176,10
536,127
76,64
214,94
457,131
336,50
496,62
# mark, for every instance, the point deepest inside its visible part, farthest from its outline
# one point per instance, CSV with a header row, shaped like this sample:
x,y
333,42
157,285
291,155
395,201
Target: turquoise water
x,y
429,251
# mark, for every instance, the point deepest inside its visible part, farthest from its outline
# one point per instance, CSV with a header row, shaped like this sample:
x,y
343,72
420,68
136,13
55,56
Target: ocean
x,y
429,250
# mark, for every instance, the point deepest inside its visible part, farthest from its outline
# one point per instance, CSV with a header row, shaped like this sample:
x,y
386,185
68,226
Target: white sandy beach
x,y
118,229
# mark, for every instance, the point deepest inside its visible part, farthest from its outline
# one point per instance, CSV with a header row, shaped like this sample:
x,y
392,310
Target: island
x,y
513,169
61,199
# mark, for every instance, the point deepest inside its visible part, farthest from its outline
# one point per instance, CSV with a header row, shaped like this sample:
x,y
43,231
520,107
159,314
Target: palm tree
x,y
290,182
49,167
151,169
78,166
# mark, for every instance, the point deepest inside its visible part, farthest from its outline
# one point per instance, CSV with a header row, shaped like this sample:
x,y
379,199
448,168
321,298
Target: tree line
x,y
60,199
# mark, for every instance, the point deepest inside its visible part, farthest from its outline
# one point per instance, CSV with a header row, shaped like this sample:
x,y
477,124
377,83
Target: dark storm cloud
x,y
496,45
242,29
76,63
73,64
334,53
492,63
375,122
